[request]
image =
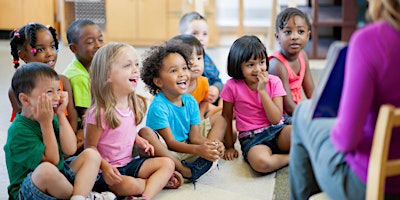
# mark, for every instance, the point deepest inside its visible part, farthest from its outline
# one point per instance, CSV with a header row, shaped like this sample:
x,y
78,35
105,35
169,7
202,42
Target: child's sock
x,y
78,197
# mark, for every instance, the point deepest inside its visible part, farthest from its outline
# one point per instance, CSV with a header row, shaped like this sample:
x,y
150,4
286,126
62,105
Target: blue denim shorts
x,y
131,169
29,191
268,137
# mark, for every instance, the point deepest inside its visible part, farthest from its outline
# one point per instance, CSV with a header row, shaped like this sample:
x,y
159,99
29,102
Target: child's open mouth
x,y
182,84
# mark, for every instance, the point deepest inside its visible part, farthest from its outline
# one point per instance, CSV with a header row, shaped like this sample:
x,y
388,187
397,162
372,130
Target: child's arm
x,y
227,113
110,173
203,107
277,68
67,135
272,107
72,113
308,82
145,145
207,149
44,114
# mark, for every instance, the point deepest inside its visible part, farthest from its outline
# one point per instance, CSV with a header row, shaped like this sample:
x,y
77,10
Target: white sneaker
x,y
102,196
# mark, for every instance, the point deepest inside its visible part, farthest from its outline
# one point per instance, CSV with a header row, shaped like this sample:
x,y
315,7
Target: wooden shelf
x,y
342,15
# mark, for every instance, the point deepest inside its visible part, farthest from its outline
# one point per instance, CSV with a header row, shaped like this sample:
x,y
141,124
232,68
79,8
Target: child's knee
x,y
45,172
90,154
146,132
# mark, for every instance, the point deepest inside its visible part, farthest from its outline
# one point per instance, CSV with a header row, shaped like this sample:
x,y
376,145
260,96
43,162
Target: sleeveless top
x,y
295,80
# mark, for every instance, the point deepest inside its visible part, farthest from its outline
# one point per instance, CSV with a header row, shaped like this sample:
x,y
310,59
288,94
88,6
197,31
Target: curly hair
x,y
154,60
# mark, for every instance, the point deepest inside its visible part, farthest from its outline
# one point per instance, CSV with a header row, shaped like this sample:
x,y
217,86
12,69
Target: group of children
x,y
90,118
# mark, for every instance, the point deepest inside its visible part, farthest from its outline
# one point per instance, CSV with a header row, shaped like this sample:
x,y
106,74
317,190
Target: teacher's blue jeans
x,y
315,165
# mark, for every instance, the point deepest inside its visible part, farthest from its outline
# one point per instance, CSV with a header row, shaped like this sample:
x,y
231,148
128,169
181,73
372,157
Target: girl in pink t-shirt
x,y
255,97
110,128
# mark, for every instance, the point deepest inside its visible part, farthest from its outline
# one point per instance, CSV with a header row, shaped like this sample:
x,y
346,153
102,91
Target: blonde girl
x,y
111,126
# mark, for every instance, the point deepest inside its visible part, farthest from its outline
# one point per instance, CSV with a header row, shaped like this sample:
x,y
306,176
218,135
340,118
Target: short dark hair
x,y
188,17
242,50
284,16
191,41
74,27
154,59
25,78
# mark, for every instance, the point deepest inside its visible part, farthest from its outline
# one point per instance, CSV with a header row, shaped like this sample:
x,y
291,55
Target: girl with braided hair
x,y
35,42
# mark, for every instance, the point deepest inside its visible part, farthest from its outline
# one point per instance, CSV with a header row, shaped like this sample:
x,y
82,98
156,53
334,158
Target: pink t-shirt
x,y
115,145
248,107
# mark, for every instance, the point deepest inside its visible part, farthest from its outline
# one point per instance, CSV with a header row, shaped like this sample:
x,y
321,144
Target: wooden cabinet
x,y
150,22
341,15
17,13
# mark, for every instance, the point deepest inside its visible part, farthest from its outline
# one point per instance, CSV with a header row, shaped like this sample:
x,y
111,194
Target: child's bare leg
x,y
284,139
218,127
262,160
48,179
85,166
157,171
129,186
161,151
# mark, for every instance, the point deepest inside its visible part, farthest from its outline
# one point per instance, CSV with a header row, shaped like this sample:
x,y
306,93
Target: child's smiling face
x,y
124,73
174,75
46,51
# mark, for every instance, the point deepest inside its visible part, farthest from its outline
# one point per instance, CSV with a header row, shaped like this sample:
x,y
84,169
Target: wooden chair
x,y
380,166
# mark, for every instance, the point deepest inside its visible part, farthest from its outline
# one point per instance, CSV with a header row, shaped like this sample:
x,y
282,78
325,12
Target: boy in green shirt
x,y
39,138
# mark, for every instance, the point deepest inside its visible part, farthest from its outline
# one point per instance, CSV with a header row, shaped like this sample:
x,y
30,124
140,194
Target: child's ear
x,y
23,55
24,99
72,47
157,81
276,36
308,34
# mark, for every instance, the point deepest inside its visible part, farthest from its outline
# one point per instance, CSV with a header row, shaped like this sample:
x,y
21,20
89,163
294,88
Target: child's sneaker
x,y
198,167
102,196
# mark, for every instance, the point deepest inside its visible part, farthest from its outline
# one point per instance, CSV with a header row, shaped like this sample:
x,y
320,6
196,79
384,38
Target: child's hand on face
x,y
145,145
262,80
43,111
63,103
213,93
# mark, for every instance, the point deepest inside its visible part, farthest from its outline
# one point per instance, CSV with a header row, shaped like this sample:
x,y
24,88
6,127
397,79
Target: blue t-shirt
x,y
162,114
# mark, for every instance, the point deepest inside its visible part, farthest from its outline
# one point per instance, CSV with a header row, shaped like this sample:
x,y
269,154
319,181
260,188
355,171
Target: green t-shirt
x,y
24,150
80,82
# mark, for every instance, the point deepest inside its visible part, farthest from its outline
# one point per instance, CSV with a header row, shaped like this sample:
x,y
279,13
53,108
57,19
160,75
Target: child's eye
x,y
301,32
287,32
39,50
53,47
249,65
185,68
128,66
173,70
